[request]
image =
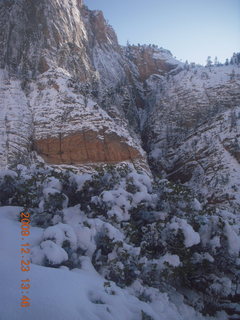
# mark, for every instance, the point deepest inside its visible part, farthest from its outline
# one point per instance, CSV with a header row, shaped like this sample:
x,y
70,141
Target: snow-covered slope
x,y
79,294
16,127
193,130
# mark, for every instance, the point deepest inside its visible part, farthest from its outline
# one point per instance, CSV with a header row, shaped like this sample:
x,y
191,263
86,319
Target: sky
x,y
191,29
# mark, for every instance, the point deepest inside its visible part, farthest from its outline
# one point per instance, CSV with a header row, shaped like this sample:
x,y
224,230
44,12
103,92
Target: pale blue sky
x,y
190,29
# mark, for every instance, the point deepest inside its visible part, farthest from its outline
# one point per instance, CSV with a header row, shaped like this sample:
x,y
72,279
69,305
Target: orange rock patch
x,y
85,147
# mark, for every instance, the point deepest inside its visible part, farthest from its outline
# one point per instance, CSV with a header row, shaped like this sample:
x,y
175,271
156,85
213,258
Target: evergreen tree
x,y
186,65
232,75
209,61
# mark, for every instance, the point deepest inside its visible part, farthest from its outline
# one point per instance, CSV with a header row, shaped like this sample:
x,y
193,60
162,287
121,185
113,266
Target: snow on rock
x,y
192,131
67,124
71,128
152,60
15,121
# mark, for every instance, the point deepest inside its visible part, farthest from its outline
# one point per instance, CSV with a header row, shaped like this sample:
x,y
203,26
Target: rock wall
x,y
16,129
152,60
192,132
35,36
75,96
86,147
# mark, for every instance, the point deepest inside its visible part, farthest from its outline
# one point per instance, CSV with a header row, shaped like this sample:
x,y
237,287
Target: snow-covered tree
x,y
209,61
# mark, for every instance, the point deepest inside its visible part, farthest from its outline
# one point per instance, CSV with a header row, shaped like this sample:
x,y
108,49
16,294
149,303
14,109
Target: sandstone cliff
x,y
193,129
72,95
78,84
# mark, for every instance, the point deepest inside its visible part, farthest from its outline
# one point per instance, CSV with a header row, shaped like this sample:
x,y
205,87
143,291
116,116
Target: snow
x,y
53,253
7,172
215,242
190,122
233,240
199,258
191,237
68,111
197,205
48,191
223,286
60,233
53,183
15,120
163,54
86,240
70,295
81,179
72,215
119,201
171,259
52,105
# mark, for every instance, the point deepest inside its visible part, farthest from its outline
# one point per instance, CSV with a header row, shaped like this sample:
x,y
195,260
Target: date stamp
x,y
25,261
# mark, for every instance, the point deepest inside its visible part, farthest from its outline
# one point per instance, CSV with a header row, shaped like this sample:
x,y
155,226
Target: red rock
x,y
85,147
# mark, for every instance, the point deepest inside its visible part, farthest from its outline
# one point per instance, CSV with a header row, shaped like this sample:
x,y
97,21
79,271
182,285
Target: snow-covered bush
x,y
114,192
7,186
132,229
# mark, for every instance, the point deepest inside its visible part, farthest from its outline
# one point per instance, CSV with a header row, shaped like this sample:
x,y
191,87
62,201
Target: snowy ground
x,y
80,294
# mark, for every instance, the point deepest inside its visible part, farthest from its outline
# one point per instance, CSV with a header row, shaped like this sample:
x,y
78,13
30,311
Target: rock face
x,y
16,128
54,34
36,36
76,130
192,132
86,147
71,94
152,60
76,79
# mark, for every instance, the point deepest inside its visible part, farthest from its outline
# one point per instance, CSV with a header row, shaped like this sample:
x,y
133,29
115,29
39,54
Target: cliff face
x,y
39,38
16,128
71,69
192,132
72,129
36,36
152,60
72,95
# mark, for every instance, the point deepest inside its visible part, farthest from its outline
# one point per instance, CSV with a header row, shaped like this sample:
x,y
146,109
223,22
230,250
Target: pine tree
x,y
209,61
232,75
186,65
